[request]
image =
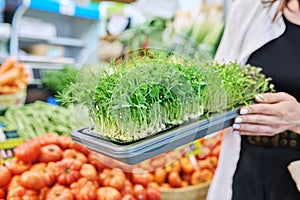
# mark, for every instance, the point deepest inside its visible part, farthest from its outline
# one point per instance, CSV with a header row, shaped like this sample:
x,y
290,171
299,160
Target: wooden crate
x,y
195,192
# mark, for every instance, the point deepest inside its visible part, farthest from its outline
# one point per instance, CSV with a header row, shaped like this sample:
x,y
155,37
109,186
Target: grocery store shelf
x,y
62,41
44,59
5,30
67,42
67,7
3,57
35,82
46,66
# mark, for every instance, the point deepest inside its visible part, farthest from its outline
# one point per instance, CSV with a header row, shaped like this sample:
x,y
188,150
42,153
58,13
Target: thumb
x,y
272,97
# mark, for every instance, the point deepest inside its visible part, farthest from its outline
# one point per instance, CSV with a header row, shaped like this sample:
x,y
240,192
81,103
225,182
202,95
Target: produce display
x,y
13,83
31,120
144,95
205,27
13,76
55,167
58,80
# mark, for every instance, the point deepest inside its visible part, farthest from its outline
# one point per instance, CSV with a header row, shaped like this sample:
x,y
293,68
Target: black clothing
x,y
280,60
262,172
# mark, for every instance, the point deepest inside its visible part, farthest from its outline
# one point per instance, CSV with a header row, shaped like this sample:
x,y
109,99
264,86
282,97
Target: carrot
x,y
7,65
9,76
25,75
21,83
8,89
20,66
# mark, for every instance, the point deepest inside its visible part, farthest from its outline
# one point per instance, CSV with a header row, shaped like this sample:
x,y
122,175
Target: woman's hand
x,y
273,114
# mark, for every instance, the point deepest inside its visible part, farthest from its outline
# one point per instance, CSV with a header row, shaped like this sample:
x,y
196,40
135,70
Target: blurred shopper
x,y
265,138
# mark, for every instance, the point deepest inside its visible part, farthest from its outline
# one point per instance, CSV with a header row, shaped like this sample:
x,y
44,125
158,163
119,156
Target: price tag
x,y
67,8
193,148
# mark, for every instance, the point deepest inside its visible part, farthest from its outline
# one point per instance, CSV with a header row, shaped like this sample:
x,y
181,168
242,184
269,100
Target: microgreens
x,y
144,95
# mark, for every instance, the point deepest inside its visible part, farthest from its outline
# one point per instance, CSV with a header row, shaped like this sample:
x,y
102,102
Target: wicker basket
x,y
195,192
17,99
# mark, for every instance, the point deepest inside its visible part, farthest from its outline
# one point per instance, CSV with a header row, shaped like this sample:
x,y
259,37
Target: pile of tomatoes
x,y
175,169
54,167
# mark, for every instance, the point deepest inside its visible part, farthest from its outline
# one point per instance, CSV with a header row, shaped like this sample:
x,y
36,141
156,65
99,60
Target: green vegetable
x,y
145,95
35,119
58,80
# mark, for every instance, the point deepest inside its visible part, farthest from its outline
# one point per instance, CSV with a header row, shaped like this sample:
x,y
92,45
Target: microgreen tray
x,y
146,148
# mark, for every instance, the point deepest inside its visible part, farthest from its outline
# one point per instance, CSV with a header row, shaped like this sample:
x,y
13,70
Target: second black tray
x,y
135,152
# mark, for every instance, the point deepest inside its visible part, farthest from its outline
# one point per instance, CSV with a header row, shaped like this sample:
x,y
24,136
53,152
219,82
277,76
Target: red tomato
x,y
128,188
84,189
64,142
89,172
160,176
15,182
50,153
2,193
49,174
59,192
48,138
92,159
213,160
205,164
216,151
153,185
28,151
186,177
201,176
140,176
51,166
113,177
122,166
158,162
104,160
67,171
80,148
165,186
5,175
128,197
153,194
38,167
43,193
174,179
140,192
73,154
146,165
32,180
46,170
108,193
187,166
21,193
185,183
16,166
174,166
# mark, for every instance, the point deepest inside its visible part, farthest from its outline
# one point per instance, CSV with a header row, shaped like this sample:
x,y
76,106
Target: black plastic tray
x,y
138,151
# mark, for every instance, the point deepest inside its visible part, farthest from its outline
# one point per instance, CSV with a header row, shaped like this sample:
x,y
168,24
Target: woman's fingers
x,y
272,97
274,113
256,119
266,109
255,128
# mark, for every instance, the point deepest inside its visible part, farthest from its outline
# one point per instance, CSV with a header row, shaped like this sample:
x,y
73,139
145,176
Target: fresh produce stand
x,y
47,165
145,122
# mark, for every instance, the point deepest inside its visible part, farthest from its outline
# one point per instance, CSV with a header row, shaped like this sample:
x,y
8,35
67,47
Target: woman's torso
x,y
280,60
